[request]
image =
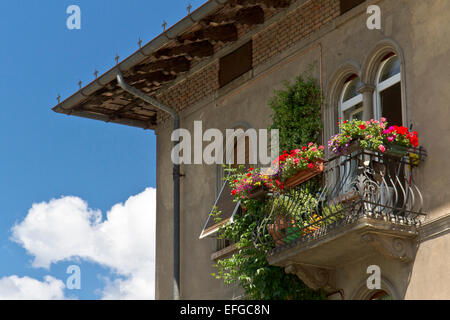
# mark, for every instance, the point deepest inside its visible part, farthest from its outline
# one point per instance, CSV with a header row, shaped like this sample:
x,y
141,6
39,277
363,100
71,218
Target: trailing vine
x,y
296,113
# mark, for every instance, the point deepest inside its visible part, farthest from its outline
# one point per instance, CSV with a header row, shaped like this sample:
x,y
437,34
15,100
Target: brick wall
x,y
192,89
292,28
272,40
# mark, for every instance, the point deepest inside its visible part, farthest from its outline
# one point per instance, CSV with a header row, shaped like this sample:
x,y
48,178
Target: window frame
x,y
386,84
351,103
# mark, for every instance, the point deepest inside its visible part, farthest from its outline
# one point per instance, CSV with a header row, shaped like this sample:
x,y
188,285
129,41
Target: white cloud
x,y
66,229
15,288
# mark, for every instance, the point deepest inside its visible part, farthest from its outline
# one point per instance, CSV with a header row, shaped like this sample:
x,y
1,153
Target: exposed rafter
x,y
197,49
266,3
156,76
248,15
177,65
225,33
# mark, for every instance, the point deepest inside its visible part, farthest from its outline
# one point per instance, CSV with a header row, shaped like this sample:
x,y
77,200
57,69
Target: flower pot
x,y
286,230
304,175
280,229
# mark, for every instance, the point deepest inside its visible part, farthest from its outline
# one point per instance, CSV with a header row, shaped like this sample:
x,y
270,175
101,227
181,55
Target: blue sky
x,y
47,156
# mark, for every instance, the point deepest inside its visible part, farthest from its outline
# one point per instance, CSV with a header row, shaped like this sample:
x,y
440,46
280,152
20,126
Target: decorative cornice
x,y
402,249
314,277
434,228
364,87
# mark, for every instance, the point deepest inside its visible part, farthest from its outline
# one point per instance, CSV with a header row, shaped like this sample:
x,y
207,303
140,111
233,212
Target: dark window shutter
x,y
347,5
236,64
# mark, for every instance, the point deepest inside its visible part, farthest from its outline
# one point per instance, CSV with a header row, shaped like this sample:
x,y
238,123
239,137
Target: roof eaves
x,y
67,105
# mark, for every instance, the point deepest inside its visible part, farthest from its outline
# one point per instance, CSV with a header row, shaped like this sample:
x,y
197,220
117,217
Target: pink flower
x,y
321,148
382,148
383,119
390,139
310,144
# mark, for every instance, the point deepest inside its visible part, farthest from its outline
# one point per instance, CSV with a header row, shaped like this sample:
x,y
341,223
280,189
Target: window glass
x,y
390,69
351,104
351,89
354,113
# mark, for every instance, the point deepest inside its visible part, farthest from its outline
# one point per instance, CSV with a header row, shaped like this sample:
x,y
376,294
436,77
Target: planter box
x,y
391,150
258,194
304,175
354,146
397,151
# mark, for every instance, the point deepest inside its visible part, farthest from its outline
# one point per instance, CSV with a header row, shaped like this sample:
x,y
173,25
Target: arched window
x,y
351,101
386,292
380,295
388,93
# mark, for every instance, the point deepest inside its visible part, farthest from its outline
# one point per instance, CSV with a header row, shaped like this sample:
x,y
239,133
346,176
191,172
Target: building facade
x,y
222,63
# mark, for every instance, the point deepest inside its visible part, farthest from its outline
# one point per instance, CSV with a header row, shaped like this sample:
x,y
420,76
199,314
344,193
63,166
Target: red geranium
x,y
401,130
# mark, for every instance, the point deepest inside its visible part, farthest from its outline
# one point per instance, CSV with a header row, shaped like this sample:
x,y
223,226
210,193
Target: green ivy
x,y
297,113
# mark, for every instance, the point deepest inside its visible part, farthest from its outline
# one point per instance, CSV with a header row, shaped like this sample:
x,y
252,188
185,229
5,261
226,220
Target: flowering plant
x,y
245,183
372,134
400,136
299,159
248,181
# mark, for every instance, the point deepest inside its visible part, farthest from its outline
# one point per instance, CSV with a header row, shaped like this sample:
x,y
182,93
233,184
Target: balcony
x,y
362,202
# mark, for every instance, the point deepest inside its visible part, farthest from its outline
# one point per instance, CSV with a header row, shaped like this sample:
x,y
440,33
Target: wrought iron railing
x,y
362,184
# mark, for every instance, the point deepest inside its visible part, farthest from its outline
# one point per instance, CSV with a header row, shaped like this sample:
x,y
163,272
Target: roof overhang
x,y
156,65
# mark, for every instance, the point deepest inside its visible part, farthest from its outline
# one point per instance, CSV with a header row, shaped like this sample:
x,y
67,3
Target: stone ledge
x,y
434,228
348,243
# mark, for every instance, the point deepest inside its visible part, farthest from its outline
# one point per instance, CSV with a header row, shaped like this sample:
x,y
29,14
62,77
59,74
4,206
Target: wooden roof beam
x,y
177,65
266,3
224,33
156,76
248,15
197,49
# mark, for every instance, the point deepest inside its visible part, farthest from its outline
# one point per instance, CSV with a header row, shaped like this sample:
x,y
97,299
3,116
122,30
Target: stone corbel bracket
x,y
402,249
314,277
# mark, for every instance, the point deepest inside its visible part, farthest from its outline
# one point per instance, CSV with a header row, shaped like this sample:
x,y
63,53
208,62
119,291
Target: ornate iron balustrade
x,y
363,184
